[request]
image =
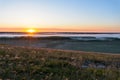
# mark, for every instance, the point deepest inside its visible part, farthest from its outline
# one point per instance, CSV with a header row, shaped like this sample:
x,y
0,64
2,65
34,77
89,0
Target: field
x,y
65,43
27,63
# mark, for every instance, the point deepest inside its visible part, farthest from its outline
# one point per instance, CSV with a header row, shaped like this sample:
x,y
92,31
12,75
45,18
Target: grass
x,y
23,63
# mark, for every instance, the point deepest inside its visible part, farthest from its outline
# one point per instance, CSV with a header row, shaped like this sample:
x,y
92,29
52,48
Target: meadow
x,y
28,63
111,45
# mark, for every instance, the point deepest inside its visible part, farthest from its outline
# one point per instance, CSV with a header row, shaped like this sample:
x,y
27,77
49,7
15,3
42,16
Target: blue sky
x,y
79,14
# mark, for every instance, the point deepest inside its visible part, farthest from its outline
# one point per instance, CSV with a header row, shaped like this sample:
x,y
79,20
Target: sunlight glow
x,y
31,30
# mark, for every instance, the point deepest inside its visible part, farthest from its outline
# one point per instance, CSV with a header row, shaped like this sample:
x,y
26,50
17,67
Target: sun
x,y
31,30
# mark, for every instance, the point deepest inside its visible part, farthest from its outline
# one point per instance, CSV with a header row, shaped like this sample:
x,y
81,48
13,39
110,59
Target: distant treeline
x,y
61,38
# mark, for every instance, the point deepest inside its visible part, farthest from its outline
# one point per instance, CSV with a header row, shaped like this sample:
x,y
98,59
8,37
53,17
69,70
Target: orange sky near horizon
x,y
61,29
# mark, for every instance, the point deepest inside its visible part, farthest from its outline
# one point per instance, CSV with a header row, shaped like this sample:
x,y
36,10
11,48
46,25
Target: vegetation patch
x,y
23,63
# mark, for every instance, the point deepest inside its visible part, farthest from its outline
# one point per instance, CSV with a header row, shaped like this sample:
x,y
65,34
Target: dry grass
x,y
17,63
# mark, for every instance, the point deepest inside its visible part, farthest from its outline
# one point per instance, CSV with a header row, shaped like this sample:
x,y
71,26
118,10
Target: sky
x,y
60,15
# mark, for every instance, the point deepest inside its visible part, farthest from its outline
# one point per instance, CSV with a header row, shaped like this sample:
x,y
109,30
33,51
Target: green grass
x,y
23,63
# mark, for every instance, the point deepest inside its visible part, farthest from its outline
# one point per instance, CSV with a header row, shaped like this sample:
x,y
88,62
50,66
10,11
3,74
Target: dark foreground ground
x,y
25,63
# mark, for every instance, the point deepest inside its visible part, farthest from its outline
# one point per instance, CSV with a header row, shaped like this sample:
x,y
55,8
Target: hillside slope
x,y
25,63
